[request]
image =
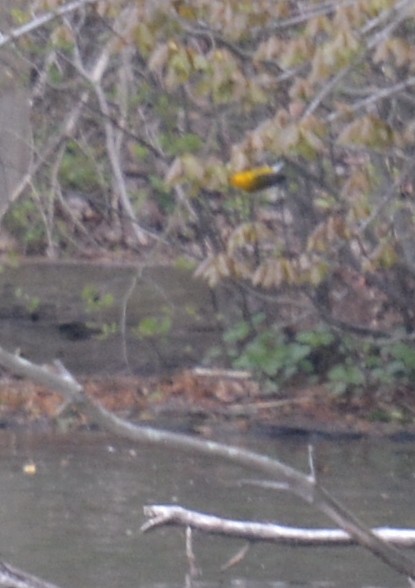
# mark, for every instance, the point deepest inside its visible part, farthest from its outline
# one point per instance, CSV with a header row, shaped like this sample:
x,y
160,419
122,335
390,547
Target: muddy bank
x,y
210,405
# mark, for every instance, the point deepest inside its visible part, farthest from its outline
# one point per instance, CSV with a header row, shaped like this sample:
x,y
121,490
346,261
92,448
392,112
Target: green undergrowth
x,y
347,365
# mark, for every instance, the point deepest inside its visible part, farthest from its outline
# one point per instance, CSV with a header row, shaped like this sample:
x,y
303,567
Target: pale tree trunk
x,y
15,124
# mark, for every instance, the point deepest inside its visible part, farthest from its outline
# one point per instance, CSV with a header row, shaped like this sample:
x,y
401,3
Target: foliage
x,y
31,303
345,364
25,223
154,326
166,99
95,300
77,170
273,355
376,367
96,305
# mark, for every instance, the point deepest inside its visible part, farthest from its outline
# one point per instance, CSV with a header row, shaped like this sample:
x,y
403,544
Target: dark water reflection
x,y
76,522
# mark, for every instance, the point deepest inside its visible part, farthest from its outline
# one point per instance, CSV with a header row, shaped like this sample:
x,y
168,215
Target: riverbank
x,y
72,311
205,403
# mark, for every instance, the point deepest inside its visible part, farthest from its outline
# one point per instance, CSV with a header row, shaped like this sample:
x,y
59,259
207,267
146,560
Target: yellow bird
x,y
258,178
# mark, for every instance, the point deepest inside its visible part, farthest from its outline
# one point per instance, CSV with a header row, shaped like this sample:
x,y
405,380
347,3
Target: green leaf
x,y
316,338
154,326
344,377
95,300
405,353
237,333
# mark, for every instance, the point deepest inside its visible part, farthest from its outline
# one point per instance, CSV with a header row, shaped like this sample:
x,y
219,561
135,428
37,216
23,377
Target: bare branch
x,y
42,20
376,97
301,485
160,515
126,20
50,376
118,176
11,577
191,558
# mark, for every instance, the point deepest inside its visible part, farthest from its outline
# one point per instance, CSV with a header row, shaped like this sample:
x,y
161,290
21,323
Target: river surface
x,y
76,521
107,318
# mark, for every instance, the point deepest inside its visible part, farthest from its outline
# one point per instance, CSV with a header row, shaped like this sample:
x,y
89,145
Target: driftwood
x,y
11,577
303,485
160,515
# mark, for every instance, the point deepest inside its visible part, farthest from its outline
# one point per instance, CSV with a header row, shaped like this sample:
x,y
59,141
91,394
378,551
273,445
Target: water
x,y
75,312
76,522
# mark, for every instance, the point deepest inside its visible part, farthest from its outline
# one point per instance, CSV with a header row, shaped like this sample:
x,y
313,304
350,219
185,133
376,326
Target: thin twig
x,y
42,20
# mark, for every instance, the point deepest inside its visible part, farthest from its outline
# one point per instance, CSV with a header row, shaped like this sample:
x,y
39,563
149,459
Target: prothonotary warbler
x,y
258,178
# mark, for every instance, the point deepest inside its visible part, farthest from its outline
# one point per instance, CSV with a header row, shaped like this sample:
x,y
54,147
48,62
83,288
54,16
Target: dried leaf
x,y
175,172
158,58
